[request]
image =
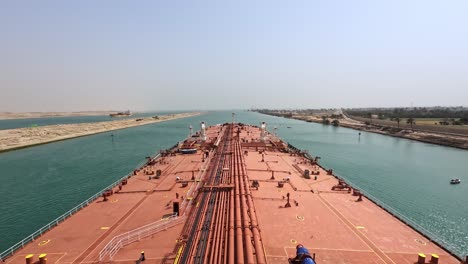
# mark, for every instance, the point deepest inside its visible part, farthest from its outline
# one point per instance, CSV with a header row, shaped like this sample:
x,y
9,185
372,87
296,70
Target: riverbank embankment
x,y
11,139
438,138
28,115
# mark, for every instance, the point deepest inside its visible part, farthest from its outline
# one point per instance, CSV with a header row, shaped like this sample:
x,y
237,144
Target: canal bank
x,y
439,138
11,139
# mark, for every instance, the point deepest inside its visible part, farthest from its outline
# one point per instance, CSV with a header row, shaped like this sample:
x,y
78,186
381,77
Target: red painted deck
x,y
331,224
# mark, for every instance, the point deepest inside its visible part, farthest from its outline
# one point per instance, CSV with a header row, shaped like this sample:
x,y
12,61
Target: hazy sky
x,y
155,55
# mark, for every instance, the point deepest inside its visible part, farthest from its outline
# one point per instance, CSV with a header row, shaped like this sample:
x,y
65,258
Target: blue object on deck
x,y
308,261
303,251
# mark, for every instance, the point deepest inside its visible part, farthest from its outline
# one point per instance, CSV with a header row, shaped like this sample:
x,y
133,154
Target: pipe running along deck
x,y
223,228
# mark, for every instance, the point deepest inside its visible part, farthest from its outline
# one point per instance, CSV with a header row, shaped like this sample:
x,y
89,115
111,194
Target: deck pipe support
x,y
212,239
215,254
197,217
215,201
244,209
248,247
238,222
258,244
231,259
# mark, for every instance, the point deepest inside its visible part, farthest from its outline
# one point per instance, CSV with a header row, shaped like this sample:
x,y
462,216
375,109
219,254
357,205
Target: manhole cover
x,y
43,242
420,241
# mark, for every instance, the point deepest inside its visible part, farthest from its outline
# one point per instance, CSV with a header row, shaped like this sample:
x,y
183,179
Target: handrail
x,y
8,252
126,238
131,236
405,219
116,243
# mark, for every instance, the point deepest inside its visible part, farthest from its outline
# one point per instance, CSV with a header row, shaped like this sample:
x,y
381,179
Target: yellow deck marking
x,y
104,227
294,241
114,201
360,227
300,217
43,242
179,252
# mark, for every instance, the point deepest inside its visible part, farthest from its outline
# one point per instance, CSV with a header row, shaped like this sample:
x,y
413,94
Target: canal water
x,y
40,183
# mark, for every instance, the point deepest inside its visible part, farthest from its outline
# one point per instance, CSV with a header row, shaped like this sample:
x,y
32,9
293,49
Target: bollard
x,y
42,259
360,198
434,259
421,258
29,259
287,203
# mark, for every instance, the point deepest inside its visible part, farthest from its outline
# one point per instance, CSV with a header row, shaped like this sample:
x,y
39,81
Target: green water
x,y
40,183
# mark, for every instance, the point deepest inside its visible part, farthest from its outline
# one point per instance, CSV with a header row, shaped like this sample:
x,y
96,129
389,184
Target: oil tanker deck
x,y
230,193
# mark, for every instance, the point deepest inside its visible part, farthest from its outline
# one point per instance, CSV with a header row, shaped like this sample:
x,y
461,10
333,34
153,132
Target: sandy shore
x,y
25,137
23,115
444,139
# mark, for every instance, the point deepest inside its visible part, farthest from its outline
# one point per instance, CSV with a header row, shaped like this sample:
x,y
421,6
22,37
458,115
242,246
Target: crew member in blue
x,y
302,256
